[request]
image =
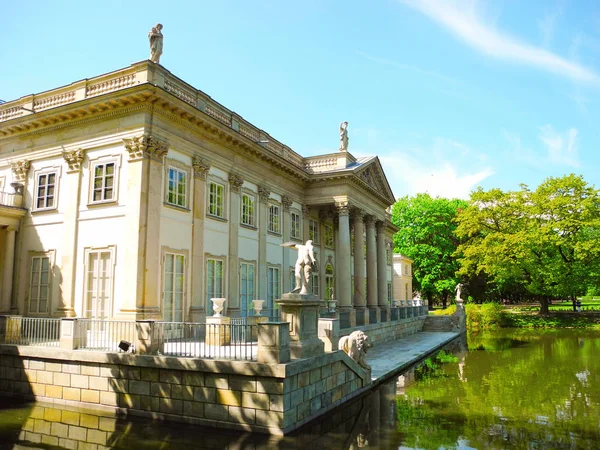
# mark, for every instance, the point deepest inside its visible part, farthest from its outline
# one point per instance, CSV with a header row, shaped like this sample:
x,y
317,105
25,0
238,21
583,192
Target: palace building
x,y
134,195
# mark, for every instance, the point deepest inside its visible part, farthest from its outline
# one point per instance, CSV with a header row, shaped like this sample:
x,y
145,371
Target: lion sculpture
x,y
356,345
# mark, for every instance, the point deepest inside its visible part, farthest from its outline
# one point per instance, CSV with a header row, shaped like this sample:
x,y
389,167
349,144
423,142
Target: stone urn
x,y
257,305
402,303
395,303
331,305
218,306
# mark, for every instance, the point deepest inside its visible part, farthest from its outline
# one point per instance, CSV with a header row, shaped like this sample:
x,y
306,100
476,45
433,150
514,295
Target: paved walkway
x,y
393,357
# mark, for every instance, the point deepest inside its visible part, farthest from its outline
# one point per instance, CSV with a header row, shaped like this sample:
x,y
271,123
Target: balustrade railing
x,y
10,199
44,332
236,340
104,335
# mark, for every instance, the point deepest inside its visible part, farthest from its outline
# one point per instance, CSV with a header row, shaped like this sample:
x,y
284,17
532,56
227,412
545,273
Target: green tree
x,y
427,237
547,240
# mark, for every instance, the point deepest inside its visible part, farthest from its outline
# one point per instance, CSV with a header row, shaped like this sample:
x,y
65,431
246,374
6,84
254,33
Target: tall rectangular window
x,y
406,269
45,194
99,284
39,285
174,287
248,210
247,276
313,231
295,231
315,284
214,281
274,224
216,200
103,182
329,239
389,292
273,291
177,187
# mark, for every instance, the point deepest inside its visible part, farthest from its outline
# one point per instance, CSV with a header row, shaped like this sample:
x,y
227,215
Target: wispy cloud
x,y
419,70
408,176
464,19
561,147
547,25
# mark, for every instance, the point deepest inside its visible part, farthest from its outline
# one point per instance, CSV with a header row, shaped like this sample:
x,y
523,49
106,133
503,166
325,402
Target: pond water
x,y
506,389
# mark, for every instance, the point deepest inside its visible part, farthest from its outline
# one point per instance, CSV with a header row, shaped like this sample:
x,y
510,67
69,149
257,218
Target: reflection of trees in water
x,y
531,389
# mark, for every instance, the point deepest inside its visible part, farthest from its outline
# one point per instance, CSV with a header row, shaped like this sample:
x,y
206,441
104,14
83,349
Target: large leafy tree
x,y
547,240
427,237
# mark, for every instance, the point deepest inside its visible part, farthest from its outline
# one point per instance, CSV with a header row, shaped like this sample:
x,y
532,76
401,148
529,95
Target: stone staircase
x,y
438,323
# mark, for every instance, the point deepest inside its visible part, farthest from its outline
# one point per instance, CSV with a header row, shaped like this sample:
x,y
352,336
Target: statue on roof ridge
x,y
156,43
344,137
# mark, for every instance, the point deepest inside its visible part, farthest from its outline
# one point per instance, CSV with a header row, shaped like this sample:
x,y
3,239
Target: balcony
x,y
12,200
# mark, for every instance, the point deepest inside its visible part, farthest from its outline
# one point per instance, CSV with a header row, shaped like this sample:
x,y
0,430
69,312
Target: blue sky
x,y
450,95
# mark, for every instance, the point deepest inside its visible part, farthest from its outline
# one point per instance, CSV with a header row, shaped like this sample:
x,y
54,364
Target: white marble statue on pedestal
x,y
156,43
305,264
458,288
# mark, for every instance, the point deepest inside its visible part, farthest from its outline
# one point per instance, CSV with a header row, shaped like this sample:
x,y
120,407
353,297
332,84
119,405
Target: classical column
x,y
287,227
344,294
359,265
235,183
142,229
263,194
381,272
371,267
8,269
201,168
71,191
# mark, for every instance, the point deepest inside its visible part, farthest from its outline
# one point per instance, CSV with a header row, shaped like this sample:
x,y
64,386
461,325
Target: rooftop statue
x,y
305,264
344,137
156,43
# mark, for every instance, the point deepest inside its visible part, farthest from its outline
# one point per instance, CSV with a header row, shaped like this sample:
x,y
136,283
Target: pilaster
x,y
71,192
8,270
263,194
201,168
235,182
287,227
144,202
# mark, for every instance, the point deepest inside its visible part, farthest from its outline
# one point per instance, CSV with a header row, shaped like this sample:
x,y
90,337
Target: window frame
x,y
329,235
298,234
223,185
104,160
112,250
271,295
166,252
50,255
208,259
247,307
35,197
270,223
177,167
313,232
252,214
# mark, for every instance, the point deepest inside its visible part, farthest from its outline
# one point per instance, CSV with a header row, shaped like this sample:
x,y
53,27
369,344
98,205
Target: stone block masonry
x,y
269,398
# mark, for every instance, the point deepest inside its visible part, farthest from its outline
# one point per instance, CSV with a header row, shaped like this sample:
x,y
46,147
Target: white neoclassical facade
x,y
402,277
134,195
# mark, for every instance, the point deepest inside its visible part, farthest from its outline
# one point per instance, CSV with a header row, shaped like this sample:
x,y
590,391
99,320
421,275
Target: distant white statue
x,y
156,43
305,264
458,288
344,137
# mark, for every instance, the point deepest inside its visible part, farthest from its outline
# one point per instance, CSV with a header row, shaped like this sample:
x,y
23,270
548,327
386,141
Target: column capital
x,y
264,193
357,214
369,220
20,169
74,158
343,208
286,202
146,146
380,225
236,181
11,228
201,167
306,211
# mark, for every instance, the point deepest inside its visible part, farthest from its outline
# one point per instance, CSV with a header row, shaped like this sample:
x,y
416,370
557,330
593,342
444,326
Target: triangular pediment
x,y
372,174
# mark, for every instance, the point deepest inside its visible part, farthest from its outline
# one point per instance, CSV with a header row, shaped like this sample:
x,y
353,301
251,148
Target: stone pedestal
x,y
302,313
218,331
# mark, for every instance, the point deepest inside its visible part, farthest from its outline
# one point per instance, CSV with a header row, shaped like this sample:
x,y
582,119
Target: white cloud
x,y
409,176
465,21
561,147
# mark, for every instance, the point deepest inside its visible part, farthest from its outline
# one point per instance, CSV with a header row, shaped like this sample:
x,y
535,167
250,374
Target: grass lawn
x,y
558,306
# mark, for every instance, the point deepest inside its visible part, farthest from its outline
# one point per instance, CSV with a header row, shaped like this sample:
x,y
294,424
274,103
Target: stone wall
x,y
269,398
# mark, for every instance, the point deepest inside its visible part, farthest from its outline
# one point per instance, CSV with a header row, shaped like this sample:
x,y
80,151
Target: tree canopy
x,y
427,236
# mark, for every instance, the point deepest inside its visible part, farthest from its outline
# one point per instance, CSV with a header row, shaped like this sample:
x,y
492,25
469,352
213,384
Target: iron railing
x,y
44,332
236,340
104,335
